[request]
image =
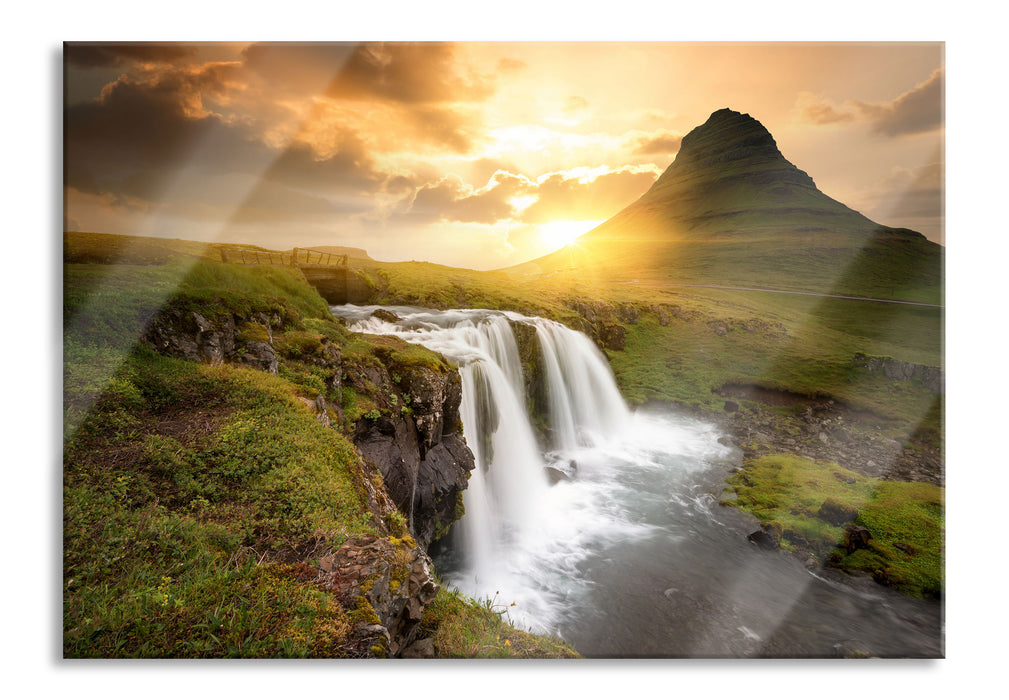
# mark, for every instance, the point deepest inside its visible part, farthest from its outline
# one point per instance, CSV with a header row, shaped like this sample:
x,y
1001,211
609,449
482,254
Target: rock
x,y
423,459
556,475
731,407
434,399
932,378
260,355
767,537
391,582
421,649
191,336
856,537
385,315
836,513
613,336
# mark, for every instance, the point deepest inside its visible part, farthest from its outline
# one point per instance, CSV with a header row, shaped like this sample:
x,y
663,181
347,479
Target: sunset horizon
x,y
476,155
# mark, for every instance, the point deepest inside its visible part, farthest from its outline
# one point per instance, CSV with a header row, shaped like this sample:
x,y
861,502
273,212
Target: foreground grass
x,y
463,628
906,520
180,481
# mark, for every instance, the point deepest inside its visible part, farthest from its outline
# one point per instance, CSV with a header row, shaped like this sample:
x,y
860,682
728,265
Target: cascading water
x,y
628,553
508,500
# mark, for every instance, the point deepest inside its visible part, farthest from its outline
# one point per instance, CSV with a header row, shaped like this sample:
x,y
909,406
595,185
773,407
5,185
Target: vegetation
x,y
198,498
462,628
812,503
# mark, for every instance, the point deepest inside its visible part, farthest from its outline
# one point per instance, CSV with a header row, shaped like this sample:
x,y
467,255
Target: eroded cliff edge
x,y
399,405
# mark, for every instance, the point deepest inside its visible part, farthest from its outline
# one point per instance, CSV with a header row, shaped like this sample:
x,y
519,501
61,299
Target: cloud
x,y
657,143
143,134
105,55
578,195
813,110
912,194
916,111
451,199
296,69
408,73
568,196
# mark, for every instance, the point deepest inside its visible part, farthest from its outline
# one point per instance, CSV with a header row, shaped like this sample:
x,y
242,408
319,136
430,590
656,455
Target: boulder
x,y
260,355
191,336
390,582
856,537
385,315
767,537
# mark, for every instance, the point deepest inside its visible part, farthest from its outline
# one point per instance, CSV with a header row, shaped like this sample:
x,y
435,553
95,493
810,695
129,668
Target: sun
x,y
557,234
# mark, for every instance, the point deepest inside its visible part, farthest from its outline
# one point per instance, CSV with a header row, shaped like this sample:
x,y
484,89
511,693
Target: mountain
x,y
731,210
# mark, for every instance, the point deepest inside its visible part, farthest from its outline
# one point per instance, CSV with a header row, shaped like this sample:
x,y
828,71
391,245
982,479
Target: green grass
x,y
461,627
906,520
180,480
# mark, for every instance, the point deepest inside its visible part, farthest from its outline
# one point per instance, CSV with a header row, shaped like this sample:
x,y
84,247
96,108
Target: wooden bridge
x,y
329,273
300,257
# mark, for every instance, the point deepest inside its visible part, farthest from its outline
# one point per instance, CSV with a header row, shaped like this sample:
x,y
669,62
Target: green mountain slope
x,y
731,210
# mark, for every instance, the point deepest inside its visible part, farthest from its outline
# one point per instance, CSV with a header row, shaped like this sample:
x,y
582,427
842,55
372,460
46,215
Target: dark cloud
x,y
410,73
104,55
306,69
566,198
135,139
916,111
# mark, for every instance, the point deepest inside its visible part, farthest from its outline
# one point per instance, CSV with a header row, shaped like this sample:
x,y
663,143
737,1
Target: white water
x,y
524,540
631,556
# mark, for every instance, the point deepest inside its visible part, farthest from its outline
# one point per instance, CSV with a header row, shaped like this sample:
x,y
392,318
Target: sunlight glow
x,y
557,234
522,202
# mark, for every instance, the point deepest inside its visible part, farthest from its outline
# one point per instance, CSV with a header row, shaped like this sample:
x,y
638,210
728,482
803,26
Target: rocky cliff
x,y
414,463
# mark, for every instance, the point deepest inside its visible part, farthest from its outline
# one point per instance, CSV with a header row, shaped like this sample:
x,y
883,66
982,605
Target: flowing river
x,y
610,536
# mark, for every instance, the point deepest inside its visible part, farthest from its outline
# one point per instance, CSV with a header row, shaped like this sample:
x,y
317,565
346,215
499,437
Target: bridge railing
x,y
297,256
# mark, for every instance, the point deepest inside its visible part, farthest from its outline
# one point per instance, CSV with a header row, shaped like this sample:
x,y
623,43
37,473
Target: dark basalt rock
x,y
767,537
424,461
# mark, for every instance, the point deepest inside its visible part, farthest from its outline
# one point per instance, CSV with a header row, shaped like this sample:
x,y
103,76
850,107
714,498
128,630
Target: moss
x,y
363,612
905,520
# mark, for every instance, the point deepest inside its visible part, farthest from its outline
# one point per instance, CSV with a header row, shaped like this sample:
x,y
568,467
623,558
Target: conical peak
x,y
729,145
726,136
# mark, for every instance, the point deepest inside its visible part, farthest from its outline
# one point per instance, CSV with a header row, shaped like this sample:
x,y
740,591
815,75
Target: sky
x,y
471,154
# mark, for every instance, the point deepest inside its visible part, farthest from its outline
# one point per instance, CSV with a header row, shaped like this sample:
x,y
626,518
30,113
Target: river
x,y
611,535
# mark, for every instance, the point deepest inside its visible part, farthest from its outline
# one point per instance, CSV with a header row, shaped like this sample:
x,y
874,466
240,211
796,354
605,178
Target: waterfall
x,y
504,501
